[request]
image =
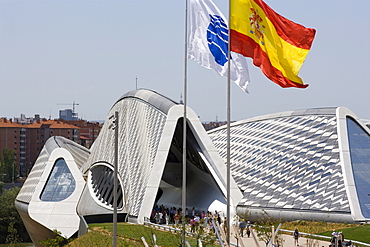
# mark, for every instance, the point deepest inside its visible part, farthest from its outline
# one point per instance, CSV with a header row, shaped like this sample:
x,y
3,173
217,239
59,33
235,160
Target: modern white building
x,y
70,186
301,165
310,164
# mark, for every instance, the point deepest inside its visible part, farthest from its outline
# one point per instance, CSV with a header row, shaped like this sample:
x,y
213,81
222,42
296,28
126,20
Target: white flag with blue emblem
x,y
208,40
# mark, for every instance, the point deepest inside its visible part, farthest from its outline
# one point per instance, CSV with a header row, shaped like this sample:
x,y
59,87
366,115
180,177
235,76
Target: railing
x,y
170,229
308,235
164,227
325,237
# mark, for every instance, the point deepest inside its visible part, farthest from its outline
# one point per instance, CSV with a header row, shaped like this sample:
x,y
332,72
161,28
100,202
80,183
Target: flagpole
x,y
184,128
228,135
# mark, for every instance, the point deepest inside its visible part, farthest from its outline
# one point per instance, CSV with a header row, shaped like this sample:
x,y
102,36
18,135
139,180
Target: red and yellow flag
x,y
277,45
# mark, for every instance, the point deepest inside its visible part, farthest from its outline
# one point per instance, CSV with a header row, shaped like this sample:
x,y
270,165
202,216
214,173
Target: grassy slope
x,y
129,235
98,238
350,231
358,233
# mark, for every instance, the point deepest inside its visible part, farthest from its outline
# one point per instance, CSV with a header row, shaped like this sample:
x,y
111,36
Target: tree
x,y
55,241
13,236
263,228
201,234
9,214
8,168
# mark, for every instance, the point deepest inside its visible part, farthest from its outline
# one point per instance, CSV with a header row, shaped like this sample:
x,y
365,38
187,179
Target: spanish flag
x,y
277,45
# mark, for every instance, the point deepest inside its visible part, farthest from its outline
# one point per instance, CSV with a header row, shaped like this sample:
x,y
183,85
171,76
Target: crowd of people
x,y
337,239
244,226
173,215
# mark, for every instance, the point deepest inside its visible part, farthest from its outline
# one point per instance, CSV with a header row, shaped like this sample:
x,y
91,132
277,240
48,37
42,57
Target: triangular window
x,y
60,183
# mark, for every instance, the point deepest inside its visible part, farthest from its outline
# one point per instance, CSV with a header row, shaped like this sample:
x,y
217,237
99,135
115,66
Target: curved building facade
x,y
300,165
310,164
48,198
69,187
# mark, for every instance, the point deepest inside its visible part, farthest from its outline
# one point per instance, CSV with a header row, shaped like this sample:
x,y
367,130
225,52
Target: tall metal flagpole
x,y
184,128
228,136
115,182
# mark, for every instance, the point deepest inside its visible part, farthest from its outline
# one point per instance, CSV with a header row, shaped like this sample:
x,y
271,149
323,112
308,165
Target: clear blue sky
x,y
90,52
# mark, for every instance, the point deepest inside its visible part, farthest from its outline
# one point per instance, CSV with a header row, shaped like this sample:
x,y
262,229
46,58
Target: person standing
x,y
224,225
197,218
296,236
241,227
176,218
160,217
248,230
157,217
203,215
340,239
217,217
172,214
334,238
210,225
192,225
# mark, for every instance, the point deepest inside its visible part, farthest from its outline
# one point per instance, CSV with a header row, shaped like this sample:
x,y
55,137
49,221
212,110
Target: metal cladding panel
x,y
78,152
29,186
140,129
287,162
153,98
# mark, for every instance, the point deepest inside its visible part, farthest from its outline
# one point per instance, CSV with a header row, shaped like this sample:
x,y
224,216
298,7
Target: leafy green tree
x,y
207,238
56,241
8,167
263,228
242,215
9,214
12,237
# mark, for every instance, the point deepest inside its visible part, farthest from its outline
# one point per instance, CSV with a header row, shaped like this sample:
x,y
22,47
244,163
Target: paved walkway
x,y
288,242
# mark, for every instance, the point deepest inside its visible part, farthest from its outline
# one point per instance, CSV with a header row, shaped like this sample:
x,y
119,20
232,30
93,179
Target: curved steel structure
x,y
309,164
149,169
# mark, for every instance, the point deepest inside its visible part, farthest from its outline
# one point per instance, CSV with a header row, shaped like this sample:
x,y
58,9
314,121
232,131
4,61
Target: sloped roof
x,y
287,160
54,124
153,98
4,123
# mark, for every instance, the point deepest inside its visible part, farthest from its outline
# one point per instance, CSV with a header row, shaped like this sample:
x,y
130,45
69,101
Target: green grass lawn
x,y
128,235
97,239
355,232
359,233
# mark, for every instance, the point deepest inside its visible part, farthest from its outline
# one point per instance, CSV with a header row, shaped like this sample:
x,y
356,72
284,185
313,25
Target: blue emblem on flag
x,y
218,37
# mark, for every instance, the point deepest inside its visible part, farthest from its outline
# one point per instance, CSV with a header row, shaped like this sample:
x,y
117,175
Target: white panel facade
x,y
60,215
294,165
140,129
295,160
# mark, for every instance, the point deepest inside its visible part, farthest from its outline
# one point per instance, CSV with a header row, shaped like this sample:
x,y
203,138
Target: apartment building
x,y
89,131
40,131
13,136
27,140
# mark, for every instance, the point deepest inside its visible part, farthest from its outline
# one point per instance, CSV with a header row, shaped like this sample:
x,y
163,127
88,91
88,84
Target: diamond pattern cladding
x,y
29,186
288,162
140,130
